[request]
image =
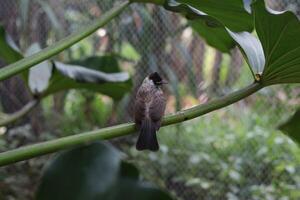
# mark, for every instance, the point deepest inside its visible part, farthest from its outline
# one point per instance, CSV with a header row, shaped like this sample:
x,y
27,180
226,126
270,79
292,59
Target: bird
x,y
150,104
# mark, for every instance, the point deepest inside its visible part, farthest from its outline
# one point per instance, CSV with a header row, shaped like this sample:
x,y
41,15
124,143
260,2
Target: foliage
x,y
237,155
72,72
94,172
277,33
273,59
98,73
46,53
210,19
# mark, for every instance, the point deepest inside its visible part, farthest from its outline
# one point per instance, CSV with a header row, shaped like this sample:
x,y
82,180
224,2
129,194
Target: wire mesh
x,y
218,166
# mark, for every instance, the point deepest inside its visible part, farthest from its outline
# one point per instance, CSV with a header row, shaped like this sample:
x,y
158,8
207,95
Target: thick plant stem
x,y
27,152
216,104
61,45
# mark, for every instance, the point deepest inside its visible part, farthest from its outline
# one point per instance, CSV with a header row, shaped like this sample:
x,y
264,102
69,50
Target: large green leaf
x,y
8,50
214,36
81,173
209,19
94,172
101,74
231,13
292,127
87,75
279,35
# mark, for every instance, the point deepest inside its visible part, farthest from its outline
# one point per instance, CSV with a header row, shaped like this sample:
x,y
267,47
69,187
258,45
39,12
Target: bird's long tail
x,y
147,138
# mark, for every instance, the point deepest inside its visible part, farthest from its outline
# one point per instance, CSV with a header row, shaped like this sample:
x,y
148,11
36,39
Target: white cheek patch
x,y
148,81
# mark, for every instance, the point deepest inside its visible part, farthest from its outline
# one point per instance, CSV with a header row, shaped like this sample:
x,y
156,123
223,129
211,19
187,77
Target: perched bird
x,y
150,105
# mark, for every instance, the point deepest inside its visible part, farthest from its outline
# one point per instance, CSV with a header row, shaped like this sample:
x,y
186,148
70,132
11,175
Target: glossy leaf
x,y
100,74
209,19
231,13
279,36
9,52
292,127
86,75
94,172
216,37
251,49
81,173
40,74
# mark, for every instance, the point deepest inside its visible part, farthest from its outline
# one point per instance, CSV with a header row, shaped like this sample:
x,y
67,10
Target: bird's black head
x,y
155,77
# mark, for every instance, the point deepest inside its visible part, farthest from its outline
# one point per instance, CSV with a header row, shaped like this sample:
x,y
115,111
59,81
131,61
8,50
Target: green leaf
x,y
39,75
129,171
100,74
94,172
86,75
231,13
214,36
9,52
292,127
81,173
279,36
252,50
107,63
209,19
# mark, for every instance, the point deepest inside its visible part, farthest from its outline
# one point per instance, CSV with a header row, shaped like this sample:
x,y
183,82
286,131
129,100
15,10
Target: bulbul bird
x,y
150,105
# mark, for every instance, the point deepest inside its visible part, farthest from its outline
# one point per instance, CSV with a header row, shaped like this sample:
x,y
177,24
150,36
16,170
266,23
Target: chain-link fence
x,y
228,154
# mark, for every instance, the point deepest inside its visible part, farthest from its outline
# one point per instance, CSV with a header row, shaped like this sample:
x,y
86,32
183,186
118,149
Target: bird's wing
x,y
139,108
157,107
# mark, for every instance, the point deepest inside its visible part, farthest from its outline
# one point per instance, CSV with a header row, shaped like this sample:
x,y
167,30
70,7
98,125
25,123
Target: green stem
x,y
61,45
43,148
10,118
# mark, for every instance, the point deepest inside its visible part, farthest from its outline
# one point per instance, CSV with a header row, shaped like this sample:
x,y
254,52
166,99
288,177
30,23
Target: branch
x,y
61,45
10,118
43,148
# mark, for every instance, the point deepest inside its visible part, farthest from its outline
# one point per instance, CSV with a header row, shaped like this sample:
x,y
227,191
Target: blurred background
x,y
232,153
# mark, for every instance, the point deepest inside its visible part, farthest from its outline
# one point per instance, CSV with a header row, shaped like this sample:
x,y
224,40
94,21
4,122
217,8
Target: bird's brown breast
x,y
150,103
